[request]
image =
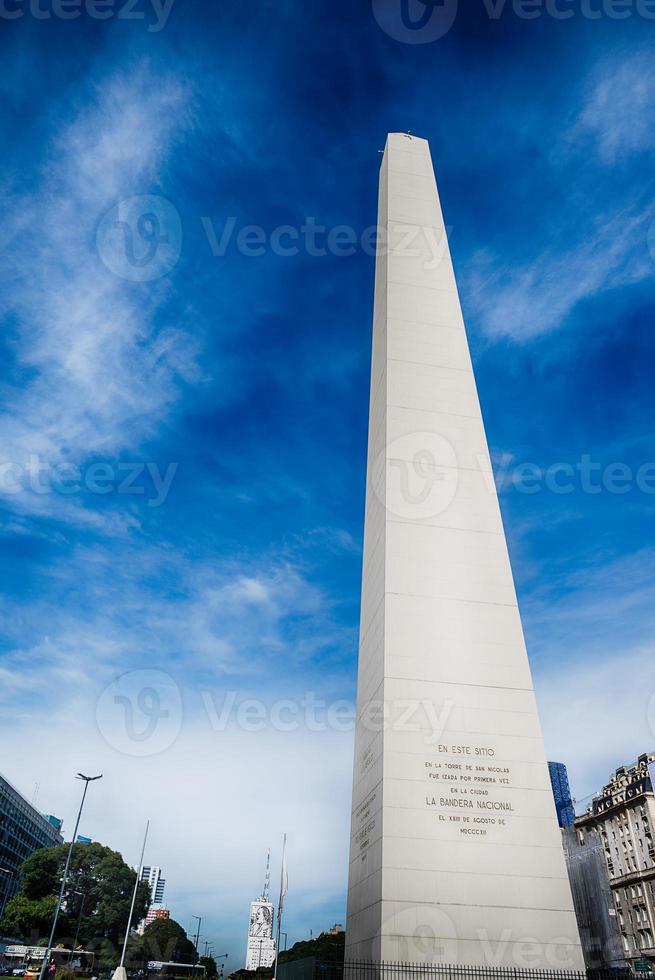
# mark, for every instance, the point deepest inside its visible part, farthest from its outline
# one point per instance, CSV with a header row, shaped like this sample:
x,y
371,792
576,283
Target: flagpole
x,y
281,901
120,973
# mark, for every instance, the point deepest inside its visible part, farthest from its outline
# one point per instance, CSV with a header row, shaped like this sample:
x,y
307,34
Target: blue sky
x,y
232,390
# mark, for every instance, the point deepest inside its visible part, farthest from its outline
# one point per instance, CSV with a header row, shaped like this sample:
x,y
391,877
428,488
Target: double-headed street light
x,y
48,950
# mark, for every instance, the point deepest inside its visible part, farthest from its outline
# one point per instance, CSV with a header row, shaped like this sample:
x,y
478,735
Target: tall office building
x,y
559,780
23,830
152,875
455,853
155,882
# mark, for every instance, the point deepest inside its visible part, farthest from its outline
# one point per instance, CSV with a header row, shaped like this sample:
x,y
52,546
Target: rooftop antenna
x,y
267,877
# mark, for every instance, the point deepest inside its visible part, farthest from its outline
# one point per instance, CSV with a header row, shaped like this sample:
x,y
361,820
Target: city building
x,y
152,915
455,852
621,821
559,780
23,830
260,951
156,884
592,899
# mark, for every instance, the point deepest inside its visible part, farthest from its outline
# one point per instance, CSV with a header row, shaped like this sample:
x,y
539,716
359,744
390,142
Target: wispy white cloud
x,y
236,622
619,108
599,715
593,252
222,632
589,633
224,798
524,301
98,372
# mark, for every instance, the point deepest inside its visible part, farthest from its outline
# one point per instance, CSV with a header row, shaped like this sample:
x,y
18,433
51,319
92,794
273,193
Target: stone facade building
x,y
622,818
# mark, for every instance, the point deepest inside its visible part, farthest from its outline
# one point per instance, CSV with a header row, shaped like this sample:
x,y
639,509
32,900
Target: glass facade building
x,y
559,780
23,830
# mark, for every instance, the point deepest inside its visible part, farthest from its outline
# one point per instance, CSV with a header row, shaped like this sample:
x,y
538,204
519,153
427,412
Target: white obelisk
x,y
456,855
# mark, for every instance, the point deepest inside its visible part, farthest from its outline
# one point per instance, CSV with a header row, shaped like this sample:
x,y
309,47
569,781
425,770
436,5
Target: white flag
x,y
284,879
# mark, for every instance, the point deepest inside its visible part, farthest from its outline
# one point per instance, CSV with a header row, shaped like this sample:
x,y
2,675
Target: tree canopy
x,y
165,940
328,947
97,897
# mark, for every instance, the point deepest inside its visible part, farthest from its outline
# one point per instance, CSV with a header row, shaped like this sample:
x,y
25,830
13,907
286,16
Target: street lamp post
x,y
199,918
5,894
48,950
285,934
79,922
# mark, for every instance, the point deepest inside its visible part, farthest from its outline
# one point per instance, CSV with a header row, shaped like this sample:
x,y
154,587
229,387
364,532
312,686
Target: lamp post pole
x,y
5,894
77,928
48,950
199,918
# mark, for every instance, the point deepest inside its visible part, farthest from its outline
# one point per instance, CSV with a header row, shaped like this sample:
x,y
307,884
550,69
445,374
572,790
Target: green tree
x,y
97,897
329,947
210,966
28,919
164,940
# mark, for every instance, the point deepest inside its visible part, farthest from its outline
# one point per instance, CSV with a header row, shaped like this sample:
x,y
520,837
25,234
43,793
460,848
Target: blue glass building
x,y
22,830
559,780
